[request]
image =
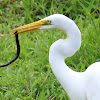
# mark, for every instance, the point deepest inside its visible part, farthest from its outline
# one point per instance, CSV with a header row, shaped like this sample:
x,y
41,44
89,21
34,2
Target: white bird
x,y
78,85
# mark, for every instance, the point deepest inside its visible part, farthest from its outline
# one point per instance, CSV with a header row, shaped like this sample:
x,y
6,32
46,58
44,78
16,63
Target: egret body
x,y
78,85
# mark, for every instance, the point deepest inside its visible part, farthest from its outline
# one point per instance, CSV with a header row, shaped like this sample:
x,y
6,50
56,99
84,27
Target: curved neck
x,y
61,49
73,33
69,79
62,72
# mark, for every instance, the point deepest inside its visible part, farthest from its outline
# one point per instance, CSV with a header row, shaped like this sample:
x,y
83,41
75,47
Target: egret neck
x,y
61,49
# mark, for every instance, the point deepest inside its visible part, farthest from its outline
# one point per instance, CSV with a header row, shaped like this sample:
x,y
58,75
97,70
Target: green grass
x,y
31,77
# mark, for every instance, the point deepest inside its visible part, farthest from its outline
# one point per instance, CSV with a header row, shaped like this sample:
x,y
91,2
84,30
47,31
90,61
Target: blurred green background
x,y
31,77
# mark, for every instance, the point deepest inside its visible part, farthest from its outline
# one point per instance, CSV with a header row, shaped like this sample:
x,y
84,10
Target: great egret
x,y
78,85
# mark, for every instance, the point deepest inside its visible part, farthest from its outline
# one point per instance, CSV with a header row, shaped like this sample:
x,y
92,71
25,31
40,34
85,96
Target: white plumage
x,y
78,85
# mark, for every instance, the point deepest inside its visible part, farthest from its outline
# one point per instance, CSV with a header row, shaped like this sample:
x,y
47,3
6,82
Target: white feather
x,y
78,85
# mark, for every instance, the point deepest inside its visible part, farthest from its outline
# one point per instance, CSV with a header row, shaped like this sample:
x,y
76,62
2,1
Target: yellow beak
x,y
32,26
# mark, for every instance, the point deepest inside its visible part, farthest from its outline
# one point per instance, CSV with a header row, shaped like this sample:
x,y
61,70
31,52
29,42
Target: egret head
x,y
59,21
53,21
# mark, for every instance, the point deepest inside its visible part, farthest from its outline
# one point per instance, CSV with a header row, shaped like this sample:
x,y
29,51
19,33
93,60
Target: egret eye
x,y
48,22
